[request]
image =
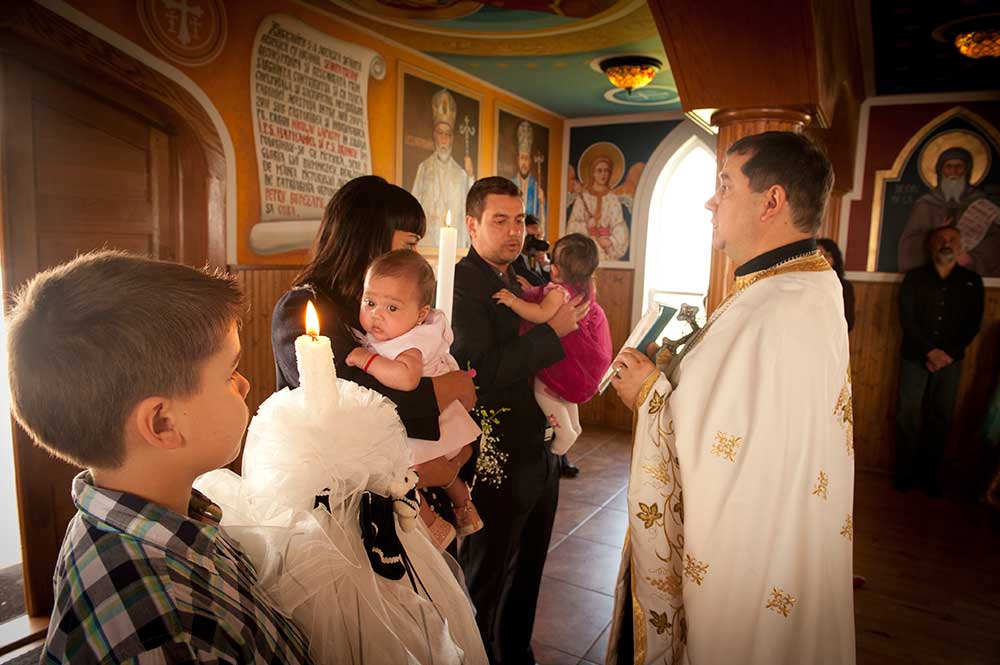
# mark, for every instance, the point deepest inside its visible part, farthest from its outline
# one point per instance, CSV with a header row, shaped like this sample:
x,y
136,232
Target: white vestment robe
x,y
740,498
441,186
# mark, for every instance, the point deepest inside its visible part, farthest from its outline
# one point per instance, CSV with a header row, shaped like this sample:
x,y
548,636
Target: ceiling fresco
x,y
525,47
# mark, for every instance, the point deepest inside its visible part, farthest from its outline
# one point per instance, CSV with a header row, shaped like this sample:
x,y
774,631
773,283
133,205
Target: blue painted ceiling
x,y
543,57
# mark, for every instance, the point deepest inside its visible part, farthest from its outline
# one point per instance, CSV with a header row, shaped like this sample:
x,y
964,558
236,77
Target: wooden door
x,y
81,172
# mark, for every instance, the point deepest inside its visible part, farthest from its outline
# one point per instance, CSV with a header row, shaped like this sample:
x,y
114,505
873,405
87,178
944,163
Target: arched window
x,y
678,232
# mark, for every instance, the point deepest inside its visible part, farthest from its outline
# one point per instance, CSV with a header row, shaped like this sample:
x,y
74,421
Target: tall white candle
x,y
447,249
314,357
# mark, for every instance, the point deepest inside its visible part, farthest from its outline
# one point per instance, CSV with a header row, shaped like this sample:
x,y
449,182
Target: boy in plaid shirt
x,y
127,367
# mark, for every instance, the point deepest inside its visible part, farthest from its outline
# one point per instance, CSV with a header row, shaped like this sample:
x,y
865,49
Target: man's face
x,y
498,235
953,168
523,164
734,207
945,245
442,140
953,179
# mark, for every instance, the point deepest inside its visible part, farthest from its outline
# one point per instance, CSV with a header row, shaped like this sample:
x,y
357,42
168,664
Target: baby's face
x,y
390,306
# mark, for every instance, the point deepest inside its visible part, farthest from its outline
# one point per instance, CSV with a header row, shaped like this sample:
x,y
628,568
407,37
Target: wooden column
x,y
733,125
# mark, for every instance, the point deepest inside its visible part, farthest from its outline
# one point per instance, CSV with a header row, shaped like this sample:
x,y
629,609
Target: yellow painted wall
x,y
226,81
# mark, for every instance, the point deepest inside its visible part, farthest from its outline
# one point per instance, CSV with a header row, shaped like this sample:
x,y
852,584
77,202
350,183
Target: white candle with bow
x,y
314,357
447,251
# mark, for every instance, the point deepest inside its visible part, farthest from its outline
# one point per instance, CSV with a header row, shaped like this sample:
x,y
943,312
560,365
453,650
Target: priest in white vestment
x,y
740,498
441,185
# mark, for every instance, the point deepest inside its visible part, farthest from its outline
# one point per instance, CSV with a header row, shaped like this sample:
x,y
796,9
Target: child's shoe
x,y
467,519
442,533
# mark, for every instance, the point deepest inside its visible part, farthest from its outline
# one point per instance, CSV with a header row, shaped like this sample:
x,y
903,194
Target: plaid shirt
x,y
138,583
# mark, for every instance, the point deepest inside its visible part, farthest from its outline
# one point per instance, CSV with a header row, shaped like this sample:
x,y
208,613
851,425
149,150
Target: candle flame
x,y
447,219
312,320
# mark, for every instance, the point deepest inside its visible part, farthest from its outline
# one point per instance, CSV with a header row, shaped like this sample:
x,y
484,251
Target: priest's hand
x,y
455,385
631,369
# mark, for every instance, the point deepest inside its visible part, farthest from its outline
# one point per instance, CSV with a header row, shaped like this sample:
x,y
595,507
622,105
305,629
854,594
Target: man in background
x,y
940,309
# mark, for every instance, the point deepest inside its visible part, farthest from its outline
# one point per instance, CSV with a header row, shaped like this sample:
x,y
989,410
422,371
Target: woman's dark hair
x,y
834,251
357,227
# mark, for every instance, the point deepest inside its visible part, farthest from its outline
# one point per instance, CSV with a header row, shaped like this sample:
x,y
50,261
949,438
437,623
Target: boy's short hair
x,y
90,339
475,201
409,265
793,161
576,256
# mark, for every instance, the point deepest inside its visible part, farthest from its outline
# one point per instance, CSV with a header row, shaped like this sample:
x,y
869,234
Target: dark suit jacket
x,y
417,409
523,268
486,337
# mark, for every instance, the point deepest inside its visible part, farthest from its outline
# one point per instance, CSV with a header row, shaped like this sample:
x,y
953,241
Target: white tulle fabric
x,y
312,562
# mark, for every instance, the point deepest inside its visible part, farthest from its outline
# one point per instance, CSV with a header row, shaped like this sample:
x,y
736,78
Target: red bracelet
x,y
370,359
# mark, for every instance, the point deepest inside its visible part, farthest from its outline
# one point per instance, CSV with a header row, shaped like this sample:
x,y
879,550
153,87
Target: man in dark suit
x,y
517,477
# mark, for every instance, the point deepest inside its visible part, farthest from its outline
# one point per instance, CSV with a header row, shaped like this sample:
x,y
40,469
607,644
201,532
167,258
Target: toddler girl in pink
x,y
560,388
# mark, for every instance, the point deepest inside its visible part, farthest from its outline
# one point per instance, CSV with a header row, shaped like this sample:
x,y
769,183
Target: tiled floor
x,y
574,607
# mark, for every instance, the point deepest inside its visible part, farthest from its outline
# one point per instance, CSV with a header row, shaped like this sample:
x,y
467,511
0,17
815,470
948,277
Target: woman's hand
x,y
439,471
631,371
453,386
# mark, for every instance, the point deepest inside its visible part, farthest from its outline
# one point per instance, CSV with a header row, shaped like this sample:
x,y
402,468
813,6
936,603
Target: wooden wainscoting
x,y
262,287
614,293
875,343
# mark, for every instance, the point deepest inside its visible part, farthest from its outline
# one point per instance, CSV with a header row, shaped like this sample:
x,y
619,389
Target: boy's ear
x,y
155,421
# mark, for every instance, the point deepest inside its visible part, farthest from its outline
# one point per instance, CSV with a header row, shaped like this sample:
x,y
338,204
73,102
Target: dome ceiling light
x,y
630,72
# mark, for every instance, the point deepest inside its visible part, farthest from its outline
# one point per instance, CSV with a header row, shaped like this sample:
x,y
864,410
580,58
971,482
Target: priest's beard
x,y
443,152
952,187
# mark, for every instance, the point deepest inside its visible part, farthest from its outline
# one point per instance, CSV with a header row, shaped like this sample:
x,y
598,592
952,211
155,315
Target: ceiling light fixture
x,y
979,43
974,36
630,71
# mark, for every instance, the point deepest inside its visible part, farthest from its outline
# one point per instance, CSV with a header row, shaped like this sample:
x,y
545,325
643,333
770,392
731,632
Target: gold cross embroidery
x,y
781,602
821,485
727,445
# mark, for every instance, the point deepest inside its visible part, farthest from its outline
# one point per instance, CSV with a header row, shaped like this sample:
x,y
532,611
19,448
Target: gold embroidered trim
x,y
671,584
638,622
811,262
694,569
847,531
644,389
821,485
844,412
649,514
781,602
727,445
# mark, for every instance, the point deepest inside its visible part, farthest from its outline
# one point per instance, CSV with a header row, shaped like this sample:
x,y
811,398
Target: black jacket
x,y
486,337
417,409
939,313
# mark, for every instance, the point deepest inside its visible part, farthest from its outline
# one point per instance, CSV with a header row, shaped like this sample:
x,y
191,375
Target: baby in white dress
x,y
406,340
